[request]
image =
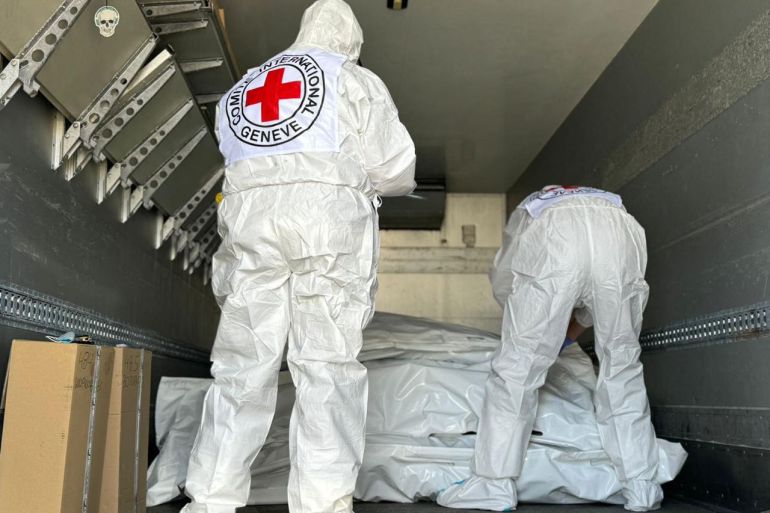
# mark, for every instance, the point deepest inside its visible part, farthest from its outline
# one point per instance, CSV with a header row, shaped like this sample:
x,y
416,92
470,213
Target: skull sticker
x,y
106,20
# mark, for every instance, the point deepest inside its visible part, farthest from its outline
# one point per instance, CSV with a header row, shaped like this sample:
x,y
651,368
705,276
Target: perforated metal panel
x,y
202,163
152,133
20,19
83,61
205,43
90,58
170,98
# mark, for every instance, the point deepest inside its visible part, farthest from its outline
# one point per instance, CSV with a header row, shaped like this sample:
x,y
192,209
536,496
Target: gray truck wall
x,y
679,125
55,240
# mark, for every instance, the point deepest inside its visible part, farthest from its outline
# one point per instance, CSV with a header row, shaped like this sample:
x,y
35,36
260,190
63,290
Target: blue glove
x,y
567,342
66,338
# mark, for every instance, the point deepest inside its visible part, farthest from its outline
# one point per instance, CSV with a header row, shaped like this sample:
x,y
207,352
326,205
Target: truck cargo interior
x,y
111,182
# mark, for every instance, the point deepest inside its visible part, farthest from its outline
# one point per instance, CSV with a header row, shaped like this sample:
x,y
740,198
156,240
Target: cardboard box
x,y
56,409
124,467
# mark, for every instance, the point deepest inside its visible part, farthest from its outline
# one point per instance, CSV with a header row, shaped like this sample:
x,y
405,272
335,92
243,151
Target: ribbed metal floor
x,y
670,506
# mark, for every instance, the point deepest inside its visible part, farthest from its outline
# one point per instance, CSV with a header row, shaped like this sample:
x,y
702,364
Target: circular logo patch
x,y
277,102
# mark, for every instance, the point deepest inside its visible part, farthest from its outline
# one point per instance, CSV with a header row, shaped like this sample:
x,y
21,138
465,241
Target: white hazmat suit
x,y
310,140
566,249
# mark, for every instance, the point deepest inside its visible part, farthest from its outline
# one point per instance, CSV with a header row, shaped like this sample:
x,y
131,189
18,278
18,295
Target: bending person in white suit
x,y
568,253
310,140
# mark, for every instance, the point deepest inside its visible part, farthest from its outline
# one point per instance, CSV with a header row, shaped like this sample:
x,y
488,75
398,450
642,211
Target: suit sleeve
x,y
583,317
388,150
217,119
501,275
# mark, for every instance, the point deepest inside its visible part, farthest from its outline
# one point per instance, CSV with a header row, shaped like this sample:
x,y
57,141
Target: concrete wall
x,y
679,125
432,273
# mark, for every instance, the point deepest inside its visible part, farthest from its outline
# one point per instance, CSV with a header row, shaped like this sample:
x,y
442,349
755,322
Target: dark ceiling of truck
x,y
138,105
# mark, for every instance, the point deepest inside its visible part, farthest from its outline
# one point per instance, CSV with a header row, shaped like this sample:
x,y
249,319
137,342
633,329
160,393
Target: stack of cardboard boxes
x,y
76,429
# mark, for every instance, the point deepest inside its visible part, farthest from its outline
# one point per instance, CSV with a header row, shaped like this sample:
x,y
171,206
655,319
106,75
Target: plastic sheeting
x,y
426,386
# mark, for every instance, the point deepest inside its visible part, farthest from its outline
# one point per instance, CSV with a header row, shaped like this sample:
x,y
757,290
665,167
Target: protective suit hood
x,y
331,26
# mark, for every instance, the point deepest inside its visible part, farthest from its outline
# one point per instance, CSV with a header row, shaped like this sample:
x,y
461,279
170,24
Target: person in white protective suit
x,y
310,141
569,254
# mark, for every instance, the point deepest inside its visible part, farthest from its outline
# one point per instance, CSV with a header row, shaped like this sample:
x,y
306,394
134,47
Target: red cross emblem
x,y
272,92
278,102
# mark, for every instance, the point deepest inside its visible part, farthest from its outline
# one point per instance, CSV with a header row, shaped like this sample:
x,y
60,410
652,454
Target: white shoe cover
x,y
479,492
642,495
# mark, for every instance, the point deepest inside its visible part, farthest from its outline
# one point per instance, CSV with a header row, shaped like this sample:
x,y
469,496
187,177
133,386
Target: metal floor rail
x,y
726,326
31,310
